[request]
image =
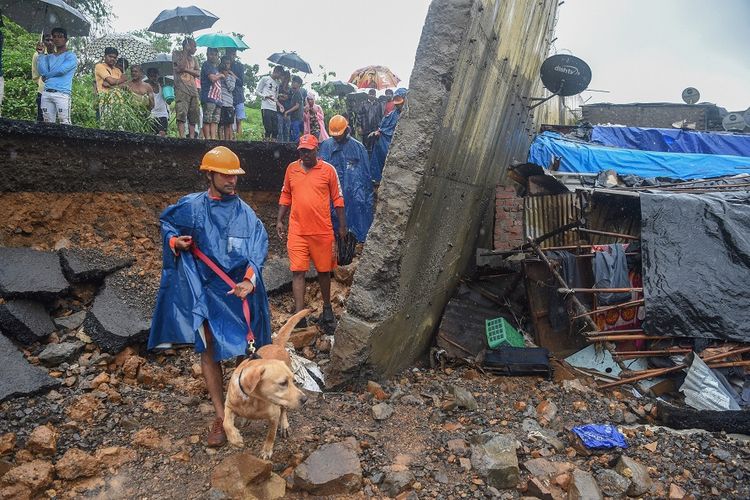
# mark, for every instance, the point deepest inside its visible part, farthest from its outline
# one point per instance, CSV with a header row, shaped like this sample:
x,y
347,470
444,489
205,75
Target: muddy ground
x,y
144,416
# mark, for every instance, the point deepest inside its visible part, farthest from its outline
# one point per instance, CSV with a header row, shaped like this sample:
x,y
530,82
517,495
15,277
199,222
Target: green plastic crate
x,y
499,332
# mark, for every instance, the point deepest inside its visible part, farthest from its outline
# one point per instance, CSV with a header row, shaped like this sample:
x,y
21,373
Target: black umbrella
x,y
162,62
183,20
38,16
341,88
290,60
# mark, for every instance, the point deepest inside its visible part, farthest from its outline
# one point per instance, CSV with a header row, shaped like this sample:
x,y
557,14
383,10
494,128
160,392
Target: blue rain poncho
x,y
353,168
232,236
383,144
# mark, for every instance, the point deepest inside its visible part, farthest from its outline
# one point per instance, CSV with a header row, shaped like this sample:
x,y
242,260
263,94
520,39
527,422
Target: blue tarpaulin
x,y
673,140
582,157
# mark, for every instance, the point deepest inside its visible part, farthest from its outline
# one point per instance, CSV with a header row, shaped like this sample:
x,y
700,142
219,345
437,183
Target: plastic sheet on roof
x,y
673,140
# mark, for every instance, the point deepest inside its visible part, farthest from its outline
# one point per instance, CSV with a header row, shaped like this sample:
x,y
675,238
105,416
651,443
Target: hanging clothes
x,y
611,271
349,157
231,235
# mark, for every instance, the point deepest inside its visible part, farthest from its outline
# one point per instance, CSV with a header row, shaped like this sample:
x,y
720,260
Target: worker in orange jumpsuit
x,y
310,187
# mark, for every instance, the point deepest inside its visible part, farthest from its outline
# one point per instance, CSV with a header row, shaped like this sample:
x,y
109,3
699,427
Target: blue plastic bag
x,y
600,436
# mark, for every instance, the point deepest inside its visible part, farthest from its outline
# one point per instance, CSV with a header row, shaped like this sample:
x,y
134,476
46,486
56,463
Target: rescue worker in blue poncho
x,y
384,134
349,157
195,304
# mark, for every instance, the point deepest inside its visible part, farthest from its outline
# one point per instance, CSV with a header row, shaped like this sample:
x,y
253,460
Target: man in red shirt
x,y
310,187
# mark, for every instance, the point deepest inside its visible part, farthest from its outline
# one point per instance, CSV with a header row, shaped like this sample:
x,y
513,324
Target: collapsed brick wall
x,y
508,231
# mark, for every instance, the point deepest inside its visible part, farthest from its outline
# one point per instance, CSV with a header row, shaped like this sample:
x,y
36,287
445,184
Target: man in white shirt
x,y
268,91
160,111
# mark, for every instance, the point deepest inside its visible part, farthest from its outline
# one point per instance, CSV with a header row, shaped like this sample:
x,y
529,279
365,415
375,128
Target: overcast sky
x,y
639,50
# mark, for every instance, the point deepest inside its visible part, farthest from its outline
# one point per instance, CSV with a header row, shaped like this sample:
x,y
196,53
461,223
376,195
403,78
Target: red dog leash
x,y
250,337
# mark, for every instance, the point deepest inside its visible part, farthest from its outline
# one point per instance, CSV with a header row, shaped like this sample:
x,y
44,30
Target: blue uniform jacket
x,y
232,236
353,168
383,144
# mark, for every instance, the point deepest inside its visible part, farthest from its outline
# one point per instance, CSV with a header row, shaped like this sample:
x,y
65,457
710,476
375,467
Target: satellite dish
x,y
565,75
691,95
733,122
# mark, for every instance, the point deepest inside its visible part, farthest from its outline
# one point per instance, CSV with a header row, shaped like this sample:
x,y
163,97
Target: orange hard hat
x,y
337,126
222,160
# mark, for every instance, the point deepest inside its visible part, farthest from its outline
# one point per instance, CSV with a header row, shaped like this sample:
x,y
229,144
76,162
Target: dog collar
x,y
239,384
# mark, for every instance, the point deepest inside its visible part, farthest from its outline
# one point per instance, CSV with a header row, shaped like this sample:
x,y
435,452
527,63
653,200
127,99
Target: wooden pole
x,y
617,332
664,371
536,240
580,309
613,338
605,233
599,290
638,302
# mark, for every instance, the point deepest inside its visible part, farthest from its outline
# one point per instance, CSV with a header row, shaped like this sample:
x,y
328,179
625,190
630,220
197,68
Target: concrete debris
x,y
81,265
114,323
31,274
25,321
583,487
55,354
640,482
396,482
332,469
75,464
43,440
17,376
496,459
382,411
462,397
612,484
70,322
278,278
237,473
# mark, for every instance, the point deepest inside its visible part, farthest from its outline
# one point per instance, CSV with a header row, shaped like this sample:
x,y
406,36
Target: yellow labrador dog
x,y
263,389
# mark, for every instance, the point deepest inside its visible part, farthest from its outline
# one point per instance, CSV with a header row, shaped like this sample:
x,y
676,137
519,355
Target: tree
x,y
160,43
98,11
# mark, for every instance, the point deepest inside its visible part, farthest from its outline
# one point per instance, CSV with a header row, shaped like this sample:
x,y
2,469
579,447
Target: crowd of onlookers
x,y
209,98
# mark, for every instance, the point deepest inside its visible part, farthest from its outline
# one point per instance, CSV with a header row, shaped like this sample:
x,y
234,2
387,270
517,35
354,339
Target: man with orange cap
x,y
311,186
352,163
211,239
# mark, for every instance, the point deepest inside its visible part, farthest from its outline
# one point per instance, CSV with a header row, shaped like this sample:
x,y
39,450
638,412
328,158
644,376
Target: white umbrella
x,y
132,48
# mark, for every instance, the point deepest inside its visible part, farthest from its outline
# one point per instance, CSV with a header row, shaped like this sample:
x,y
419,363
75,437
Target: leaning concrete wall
x,y
467,120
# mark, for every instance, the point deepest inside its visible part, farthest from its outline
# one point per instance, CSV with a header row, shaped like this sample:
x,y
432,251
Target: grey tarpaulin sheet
x,y
696,264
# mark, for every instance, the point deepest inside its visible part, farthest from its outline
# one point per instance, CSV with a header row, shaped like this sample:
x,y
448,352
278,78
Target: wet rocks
x,y
496,459
236,473
17,376
382,411
84,408
80,265
640,482
70,322
277,277
462,398
31,274
332,469
43,440
76,464
55,354
25,320
114,456
395,482
612,484
583,487
30,478
7,443
114,323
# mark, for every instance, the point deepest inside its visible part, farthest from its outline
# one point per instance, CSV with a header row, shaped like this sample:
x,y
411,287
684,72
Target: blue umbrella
x,y
290,60
183,20
38,16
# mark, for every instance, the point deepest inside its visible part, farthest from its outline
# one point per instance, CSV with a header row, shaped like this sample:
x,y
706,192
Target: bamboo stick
x,y
580,309
664,371
609,308
614,338
617,332
729,364
606,233
599,290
